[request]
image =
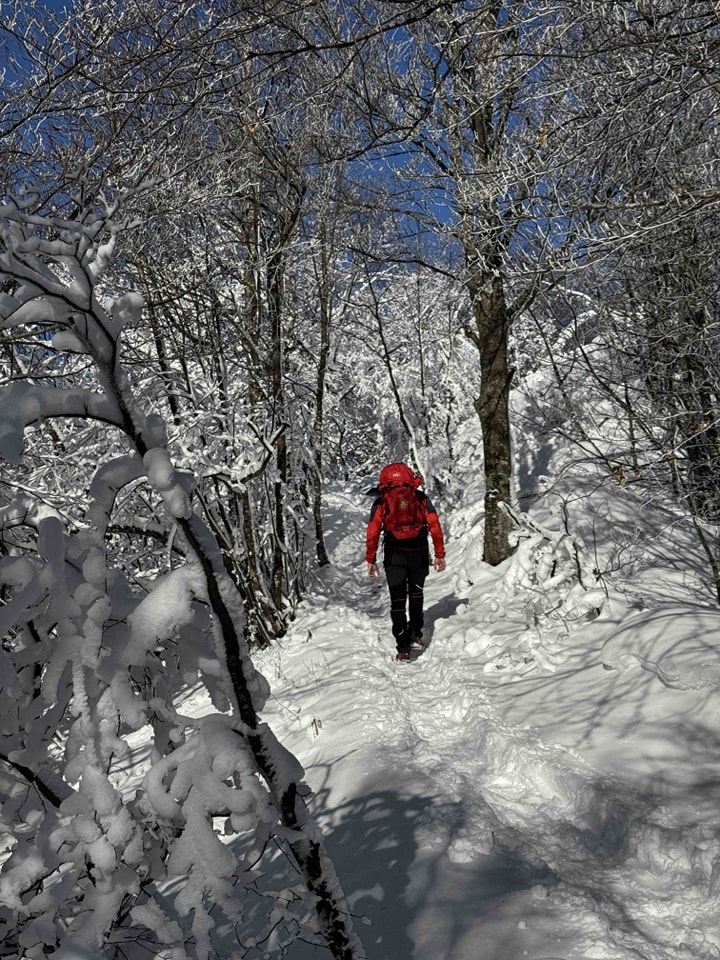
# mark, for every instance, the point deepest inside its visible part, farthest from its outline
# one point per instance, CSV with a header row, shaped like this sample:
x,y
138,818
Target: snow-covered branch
x,y
97,661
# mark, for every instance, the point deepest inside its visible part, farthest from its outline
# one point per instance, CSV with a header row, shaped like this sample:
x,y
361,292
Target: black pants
x,y
406,571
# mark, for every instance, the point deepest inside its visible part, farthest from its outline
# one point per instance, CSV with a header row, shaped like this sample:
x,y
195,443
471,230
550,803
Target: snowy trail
x,y
468,817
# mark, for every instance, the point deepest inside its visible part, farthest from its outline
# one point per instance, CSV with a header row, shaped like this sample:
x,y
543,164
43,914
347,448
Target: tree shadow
x,y
614,692
634,713
370,840
408,898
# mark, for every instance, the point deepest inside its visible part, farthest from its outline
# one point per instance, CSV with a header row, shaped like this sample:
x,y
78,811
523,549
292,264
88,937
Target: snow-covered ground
x,y
521,790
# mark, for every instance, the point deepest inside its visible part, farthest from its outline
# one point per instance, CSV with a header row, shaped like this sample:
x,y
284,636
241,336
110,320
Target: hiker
x,y
405,515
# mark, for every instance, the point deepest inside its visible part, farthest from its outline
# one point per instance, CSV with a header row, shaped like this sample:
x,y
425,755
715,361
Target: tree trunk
x,y
319,424
490,336
225,604
307,849
277,358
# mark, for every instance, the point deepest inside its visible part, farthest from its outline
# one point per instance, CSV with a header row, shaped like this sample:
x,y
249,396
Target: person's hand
x,y
372,569
439,564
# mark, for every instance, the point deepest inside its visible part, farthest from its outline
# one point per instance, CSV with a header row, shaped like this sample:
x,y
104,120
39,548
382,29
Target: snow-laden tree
x,y
243,138
412,369
629,325
91,658
466,92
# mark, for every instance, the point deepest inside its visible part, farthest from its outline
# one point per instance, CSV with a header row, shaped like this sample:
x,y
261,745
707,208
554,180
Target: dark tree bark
x,y
490,336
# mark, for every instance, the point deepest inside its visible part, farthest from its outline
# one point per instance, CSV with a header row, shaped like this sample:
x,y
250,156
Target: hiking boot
x,y
402,655
417,638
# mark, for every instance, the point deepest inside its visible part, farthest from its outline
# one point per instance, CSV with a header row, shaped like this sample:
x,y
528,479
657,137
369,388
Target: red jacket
x,y
432,523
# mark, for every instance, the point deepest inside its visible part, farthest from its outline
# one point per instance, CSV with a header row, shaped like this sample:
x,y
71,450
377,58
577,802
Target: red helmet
x,y
396,473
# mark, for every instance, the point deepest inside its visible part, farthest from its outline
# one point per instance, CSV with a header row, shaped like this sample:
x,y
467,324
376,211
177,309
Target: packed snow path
x,y
485,805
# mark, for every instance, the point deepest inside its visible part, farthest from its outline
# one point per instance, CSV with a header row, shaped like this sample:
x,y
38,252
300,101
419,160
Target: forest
x,y
249,253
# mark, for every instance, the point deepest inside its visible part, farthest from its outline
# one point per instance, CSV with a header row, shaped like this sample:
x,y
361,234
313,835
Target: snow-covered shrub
x,y
554,570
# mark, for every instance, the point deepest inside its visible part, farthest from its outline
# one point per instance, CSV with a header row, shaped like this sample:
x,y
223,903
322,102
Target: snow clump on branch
x,y
164,479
